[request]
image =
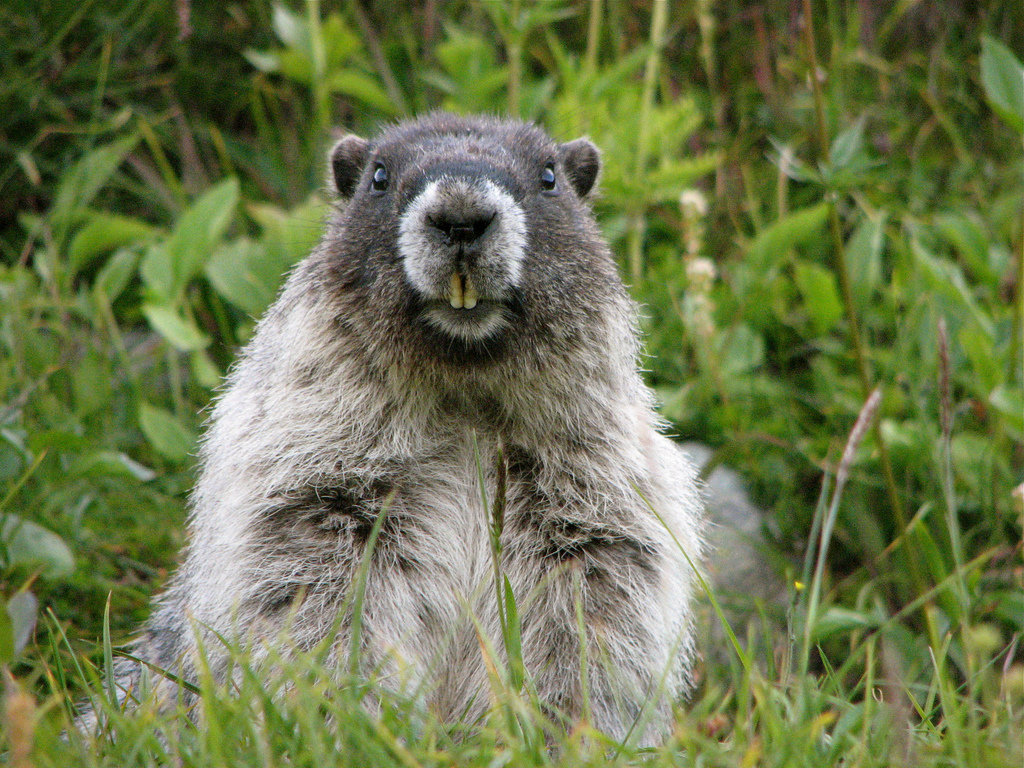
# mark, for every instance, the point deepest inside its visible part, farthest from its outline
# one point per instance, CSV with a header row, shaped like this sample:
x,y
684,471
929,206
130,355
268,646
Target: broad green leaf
x,y
847,146
26,543
817,285
83,180
6,638
296,65
198,231
741,350
290,27
978,348
168,436
157,271
90,383
666,181
102,233
103,463
291,232
838,620
1008,606
181,333
1003,78
204,369
263,61
353,83
947,279
341,42
798,228
970,242
235,272
22,610
864,258
115,275
1009,403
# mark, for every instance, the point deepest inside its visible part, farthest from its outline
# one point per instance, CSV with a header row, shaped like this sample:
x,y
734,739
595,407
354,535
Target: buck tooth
x,y
469,295
456,293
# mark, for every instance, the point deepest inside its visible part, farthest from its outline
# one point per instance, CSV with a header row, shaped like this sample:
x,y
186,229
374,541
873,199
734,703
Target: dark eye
x,y
380,178
547,177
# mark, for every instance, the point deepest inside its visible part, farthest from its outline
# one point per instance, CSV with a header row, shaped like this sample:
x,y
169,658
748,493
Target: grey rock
x,y
737,565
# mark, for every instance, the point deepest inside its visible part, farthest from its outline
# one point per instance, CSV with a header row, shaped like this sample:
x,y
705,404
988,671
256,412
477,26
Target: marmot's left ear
x,y
582,161
346,162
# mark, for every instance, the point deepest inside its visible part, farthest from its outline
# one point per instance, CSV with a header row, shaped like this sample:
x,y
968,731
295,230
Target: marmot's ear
x,y
582,161
346,163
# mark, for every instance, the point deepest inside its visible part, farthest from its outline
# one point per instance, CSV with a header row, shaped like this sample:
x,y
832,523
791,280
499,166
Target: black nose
x,y
464,230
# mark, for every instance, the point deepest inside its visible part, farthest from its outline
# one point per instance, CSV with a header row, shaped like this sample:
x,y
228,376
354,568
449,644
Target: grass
x,y
834,304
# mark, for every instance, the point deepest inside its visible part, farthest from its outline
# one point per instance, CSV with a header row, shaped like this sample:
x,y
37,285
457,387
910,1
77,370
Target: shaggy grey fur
x,y
461,311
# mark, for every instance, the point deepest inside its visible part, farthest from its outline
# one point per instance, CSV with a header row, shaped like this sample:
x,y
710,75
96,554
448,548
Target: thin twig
x,y
380,61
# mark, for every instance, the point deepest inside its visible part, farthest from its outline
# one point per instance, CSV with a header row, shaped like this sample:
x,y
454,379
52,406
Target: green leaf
x,y
83,180
168,436
847,146
6,638
970,242
198,231
947,279
90,382
263,61
1009,403
234,273
838,620
740,350
204,369
26,543
1003,78
22,610
864,257
513,638
798,228
666,181
290,27
291,234
181,333
978,348
102,233
115,275
362,87
157,271
817,285
109,463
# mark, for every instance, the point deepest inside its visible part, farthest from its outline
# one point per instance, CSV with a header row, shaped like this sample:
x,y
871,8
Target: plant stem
x,y
321,96
836,231
659,20
515,58
380,61
593,37
1018,315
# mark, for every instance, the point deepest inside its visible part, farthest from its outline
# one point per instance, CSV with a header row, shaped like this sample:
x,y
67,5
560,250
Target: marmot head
x,y
474,230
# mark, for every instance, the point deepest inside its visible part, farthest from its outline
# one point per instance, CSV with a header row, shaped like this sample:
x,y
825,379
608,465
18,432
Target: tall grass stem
x,y
843,274
659,21
860,428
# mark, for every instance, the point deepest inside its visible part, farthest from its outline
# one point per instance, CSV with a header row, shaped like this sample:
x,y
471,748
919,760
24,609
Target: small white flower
x,y
701,273
693,203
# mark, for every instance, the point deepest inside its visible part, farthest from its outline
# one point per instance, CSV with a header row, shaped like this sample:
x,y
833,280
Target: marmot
x,y
462,311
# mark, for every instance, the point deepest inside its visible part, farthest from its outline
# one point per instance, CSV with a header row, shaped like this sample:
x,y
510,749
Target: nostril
x,y
462,230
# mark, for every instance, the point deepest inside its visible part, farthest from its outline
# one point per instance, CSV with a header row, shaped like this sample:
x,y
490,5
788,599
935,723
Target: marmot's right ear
x,y
347,159
582,161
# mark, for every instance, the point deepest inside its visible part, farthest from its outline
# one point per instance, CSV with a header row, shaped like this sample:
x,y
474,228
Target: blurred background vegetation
x,y
809,199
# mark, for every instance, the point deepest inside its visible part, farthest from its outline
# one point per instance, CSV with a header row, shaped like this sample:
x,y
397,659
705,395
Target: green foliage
x,y
159,178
